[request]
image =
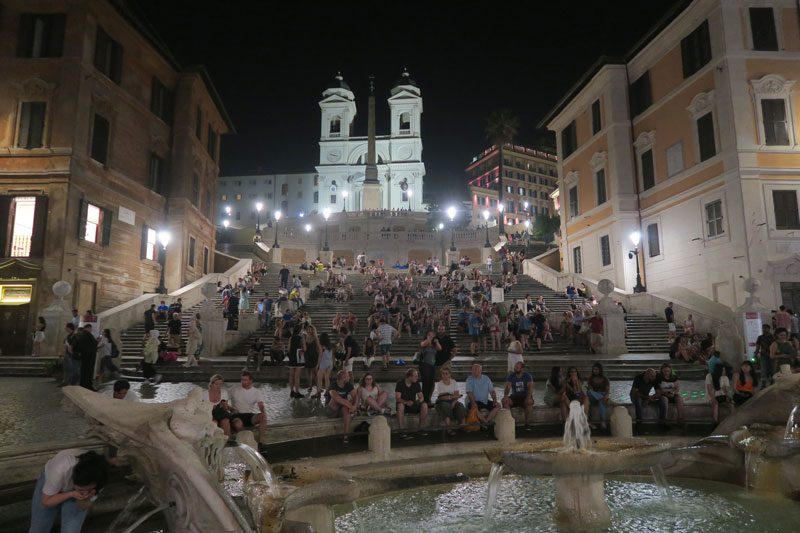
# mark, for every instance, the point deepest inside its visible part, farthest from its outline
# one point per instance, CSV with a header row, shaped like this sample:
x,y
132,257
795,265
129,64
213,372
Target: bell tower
x,y
338,108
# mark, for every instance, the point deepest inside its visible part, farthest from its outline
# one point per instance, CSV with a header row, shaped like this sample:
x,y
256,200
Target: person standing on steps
x,y
284,277
149,319
174,327
427,365
386,335
669,314
86,346
297,350
38,337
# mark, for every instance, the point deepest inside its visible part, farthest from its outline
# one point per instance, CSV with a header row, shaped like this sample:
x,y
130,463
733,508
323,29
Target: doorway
x,y
790,295
14,332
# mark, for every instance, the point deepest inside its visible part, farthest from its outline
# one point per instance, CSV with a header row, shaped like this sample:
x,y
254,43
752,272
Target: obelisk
x,y
372,187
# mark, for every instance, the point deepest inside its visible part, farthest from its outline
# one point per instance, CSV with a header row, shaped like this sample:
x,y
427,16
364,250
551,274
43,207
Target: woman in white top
x,y
218,396
688,326
370,396
514,355
718,389
38,336
447,405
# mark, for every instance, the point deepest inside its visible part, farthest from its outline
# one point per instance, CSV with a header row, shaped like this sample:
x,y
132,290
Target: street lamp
x,y
326,213
486,218
226,223
259,207
163,237
409,194
277,218
228,210
635,238
501,225
308,228
441,226
451,212
345,194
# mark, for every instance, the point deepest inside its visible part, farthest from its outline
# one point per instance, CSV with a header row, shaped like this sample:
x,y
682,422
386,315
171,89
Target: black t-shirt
x,y
670,314
148,315
764,342
284,272
174,326
351,344
408,393
444,354
644,387
343,392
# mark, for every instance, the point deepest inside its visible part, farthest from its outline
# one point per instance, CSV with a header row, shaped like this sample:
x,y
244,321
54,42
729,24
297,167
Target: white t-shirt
x,y
246,400
724,385
130,397
441,388
223,396
58,471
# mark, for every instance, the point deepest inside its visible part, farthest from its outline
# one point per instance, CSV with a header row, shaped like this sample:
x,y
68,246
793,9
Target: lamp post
x,y
326,213
345,194
409,193
635,238
440,226
486,219
277,218
259,207
308,228
500,209
163,237
451,212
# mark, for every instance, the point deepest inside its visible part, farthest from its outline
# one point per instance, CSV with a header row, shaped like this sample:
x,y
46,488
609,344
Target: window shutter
x,y
107,216
39,227
35,138
24,125
116,63
143,248
100,50
5,224
83,214
25,35
55,44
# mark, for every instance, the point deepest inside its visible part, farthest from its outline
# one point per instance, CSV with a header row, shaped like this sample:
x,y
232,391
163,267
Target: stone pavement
x,y
34,413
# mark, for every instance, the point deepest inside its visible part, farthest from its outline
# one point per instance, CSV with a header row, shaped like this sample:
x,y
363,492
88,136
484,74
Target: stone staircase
x,y
647,334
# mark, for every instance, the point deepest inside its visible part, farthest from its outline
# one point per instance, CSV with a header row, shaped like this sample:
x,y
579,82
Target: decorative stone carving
x,y
334,156
772,85
571,178
701,103
598,160
404,153
159,146
645,140
34,88
102,105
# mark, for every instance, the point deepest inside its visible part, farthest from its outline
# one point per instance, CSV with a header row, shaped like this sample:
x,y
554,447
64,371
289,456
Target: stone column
x,y
613,320
505,427
451,256
621,422
326,256
486,253
56,316
380,437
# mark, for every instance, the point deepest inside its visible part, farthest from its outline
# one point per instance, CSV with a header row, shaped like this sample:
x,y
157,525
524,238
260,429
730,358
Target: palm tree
x,y
501,128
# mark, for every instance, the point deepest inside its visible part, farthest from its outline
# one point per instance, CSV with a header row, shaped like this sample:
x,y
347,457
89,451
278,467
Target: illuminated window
x,y
224,197
94,217
149,244
24,214
238,197
714,218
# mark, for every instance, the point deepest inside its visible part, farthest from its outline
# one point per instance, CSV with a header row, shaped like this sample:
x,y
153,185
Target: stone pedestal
x,y
486,253
371,195
213,335
56,315
326,256
275,255
581,501
621,422
380,437
613,320
505,427
450,257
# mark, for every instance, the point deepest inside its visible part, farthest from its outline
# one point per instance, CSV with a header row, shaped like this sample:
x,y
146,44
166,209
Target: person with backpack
x,y
108,352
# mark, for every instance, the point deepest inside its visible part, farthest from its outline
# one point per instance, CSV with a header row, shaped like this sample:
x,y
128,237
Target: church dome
x,y
338,83
405,79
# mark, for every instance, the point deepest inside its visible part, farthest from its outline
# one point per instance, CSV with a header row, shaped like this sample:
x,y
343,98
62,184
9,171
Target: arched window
x,y
405,122
336,126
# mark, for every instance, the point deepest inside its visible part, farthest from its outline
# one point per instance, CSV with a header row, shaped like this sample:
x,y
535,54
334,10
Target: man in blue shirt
x,y
480,390
474,324
519,391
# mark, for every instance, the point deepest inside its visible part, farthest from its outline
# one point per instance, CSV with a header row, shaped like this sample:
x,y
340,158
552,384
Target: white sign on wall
x,y
498,294
752,330
127,216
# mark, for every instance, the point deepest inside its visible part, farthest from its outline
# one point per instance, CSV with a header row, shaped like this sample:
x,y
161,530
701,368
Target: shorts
x,y
475,337
412,409
721,399
518,401
488,405
524,332
246,418
385,349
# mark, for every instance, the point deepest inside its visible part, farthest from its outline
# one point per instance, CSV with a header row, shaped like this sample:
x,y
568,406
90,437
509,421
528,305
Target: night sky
x,y
271,60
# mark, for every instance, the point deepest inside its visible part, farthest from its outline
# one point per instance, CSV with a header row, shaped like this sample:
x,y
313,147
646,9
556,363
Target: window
x,y
316,197
648,170
207,204
190,257
269,196
336,126
596,123
101,131
94,224
22,217
510,206
705,136
640,94
198,124
223,197
762,27
509,188
405,122
653,246
773,113
284,189
714,219
285,206
30,133
238,197
577,263
299,195
605,250
573,202
316,181
205,259
786,213
674,159
108,56
696,50
521,191
569,140
41,35
238,215
212,143
195,190
157,173
149,246
405,196
600,180
161,101
333,198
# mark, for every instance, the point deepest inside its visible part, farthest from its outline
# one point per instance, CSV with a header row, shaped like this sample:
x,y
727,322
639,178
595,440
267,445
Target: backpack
x,y
472,423
114,349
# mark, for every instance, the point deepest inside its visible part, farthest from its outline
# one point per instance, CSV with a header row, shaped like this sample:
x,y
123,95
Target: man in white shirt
x,y
386,334
248,404
122,391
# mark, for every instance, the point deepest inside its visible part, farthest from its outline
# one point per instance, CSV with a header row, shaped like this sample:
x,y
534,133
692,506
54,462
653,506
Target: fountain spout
x,y
577,434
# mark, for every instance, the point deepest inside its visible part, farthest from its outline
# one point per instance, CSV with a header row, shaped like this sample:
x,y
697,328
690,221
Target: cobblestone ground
x,y
34,413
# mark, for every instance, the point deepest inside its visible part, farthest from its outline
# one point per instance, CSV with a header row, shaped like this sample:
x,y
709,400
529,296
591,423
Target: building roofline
x,y
539,153
604,60
212,91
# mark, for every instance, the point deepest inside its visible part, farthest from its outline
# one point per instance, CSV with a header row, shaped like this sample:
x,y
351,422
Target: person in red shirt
x,y
596,331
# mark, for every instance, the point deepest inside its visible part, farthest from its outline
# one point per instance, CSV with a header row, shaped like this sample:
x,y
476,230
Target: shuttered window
x,y
653,246
605,250
600,179
94,224
31,125
41,35
597,124
573,202
577,260
776,130
23,220
705,136
569,140
762,28
786,212
101,132
648,170
149,243
108,56
161,101
641,94
696,50
192,245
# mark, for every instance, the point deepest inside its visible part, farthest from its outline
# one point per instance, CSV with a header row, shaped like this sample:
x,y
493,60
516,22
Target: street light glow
x,y
451,212
326,213
410,193
501,207
278,215
345,194
259,206
636,237
527,224
226,223
486,215
441,226
228,209
164,237
308,228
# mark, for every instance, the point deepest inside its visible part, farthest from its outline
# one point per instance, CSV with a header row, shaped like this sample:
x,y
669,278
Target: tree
x,y
501,128
544,227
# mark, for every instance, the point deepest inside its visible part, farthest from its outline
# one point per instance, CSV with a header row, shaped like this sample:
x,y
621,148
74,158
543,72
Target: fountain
x,y
578,466
189,473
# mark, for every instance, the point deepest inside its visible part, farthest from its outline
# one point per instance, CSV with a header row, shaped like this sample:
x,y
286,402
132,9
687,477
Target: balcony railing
x,y
21,246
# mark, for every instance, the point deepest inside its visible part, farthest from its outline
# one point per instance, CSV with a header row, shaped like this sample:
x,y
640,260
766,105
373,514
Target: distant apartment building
x,y
691,141
529,176
104,141
292,194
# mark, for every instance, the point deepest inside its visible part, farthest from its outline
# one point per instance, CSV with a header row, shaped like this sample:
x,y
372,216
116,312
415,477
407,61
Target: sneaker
x,y
157,379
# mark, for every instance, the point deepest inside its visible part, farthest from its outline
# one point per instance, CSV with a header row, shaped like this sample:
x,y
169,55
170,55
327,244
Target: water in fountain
x,y
126,516
492,487
660,479
577,435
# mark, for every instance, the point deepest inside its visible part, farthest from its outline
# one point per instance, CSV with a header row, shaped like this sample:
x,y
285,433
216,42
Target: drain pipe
x,y
636,177
145,517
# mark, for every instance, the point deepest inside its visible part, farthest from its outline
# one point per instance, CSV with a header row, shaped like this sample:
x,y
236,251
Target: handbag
x,y
472,423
